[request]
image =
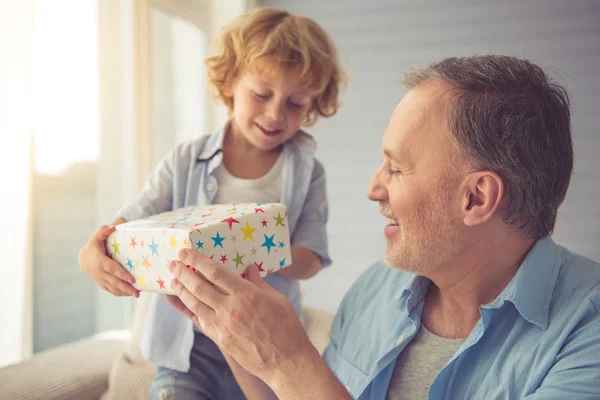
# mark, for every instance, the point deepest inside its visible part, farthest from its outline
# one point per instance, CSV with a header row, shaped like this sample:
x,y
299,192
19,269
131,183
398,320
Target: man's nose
x,y
375,189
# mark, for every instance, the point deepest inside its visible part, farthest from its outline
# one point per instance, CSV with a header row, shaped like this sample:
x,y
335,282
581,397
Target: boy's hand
x,y
105,271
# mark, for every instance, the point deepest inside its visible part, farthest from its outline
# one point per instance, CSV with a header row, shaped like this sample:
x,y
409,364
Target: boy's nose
x,y
275,112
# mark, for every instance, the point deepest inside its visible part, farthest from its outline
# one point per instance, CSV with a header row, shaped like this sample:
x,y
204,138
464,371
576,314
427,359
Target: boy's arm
x,y
305,264
309,239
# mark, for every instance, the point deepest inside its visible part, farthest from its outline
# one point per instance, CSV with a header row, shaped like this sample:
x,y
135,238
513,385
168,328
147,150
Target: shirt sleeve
x,y
311,230
576,371
156,196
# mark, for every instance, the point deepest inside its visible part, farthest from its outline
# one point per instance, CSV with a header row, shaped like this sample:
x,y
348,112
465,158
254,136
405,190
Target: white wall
x,y
380,39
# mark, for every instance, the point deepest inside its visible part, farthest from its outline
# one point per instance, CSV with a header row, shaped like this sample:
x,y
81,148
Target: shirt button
x,y
400,339
210,187
348,389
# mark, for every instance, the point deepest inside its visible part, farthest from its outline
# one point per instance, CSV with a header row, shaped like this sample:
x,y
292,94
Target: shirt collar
x,y
532,286
214,144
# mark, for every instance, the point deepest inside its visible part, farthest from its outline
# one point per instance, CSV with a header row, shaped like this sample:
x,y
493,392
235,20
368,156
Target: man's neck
x,y
461,287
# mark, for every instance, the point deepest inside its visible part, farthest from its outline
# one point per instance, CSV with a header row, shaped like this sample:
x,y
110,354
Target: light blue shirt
x,y
185,177
539,339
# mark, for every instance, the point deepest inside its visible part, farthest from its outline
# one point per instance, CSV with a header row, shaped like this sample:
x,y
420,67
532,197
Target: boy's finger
x,y
113,268
103,232
123,287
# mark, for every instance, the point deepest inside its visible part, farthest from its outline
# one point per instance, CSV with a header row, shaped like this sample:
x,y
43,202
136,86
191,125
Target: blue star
x,y
268,243
281,245
218,240
182,219
129,264
200,245
282,262
154,248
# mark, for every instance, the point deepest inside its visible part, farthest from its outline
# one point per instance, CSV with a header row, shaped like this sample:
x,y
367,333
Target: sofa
x,y
107,366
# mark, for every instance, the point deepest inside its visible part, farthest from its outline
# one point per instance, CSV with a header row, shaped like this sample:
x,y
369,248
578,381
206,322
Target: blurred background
x,y
93,93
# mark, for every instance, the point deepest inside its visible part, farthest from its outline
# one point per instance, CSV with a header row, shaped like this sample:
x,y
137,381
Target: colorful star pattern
x,y
153,247
218,240
115,247
230,221
279,220
238,260
268,243
264,241
161,283
248,231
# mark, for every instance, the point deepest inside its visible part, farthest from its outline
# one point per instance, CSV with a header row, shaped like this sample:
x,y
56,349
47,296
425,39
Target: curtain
x,y
16,48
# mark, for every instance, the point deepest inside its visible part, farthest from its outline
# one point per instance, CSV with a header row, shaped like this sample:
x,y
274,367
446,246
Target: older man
x,y
474,301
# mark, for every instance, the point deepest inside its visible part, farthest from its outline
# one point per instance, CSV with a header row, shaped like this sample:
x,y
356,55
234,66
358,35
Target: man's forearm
x,y
291,383
253,387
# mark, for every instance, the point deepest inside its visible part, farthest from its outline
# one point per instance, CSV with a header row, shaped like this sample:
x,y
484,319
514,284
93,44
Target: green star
x,y
279,220
239,260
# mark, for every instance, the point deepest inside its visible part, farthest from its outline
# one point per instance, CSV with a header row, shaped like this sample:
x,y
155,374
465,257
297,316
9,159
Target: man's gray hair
x,y
507,116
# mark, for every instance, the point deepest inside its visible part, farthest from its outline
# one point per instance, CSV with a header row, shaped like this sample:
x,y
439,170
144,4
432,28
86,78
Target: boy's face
x,y
267,110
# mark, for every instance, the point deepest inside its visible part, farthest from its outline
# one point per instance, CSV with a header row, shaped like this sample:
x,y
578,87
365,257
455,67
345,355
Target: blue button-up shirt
x,y
539,339
185,177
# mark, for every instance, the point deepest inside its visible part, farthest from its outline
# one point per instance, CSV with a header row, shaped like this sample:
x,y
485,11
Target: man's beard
x,y
426,240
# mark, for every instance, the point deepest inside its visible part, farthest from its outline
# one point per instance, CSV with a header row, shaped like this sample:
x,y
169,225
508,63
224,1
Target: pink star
x,y
223,259
230,221
264,222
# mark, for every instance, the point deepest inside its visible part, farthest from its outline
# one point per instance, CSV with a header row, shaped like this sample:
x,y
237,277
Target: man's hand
x,y
251,321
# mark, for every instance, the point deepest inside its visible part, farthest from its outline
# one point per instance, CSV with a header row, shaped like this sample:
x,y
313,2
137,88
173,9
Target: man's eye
x,y
395,172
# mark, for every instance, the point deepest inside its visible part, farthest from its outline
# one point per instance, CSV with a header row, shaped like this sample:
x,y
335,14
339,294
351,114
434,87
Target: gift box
x,y
234,235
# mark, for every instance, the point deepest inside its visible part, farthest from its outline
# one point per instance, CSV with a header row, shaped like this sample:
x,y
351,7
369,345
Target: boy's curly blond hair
x,y
268,41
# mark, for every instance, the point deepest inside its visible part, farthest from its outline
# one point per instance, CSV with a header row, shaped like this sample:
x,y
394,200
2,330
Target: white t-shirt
x,y
266,189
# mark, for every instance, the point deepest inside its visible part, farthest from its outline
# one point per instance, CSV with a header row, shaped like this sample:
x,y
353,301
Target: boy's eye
x,y
296,105
261,96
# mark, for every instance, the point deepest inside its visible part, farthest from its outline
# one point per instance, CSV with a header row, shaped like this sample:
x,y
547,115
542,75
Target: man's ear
x,y
483,192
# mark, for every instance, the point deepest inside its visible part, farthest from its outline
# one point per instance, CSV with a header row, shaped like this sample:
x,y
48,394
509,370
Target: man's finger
x,y
212,271
203,312
199,287
179,306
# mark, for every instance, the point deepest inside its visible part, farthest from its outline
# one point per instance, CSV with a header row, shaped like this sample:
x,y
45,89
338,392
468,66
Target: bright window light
x,y
65,84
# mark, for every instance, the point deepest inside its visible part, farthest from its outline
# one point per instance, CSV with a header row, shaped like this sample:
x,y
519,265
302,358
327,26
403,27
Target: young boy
x,y
275,72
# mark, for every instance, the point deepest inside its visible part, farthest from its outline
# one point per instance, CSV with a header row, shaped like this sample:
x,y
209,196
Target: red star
x,y
223,259
230,221
193,269
259,266
161,283
133,243
206,215
264,222
142,244
257,210
244,275
211,257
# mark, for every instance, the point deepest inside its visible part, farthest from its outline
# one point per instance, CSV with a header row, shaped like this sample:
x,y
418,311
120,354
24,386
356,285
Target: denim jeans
x,y
209,376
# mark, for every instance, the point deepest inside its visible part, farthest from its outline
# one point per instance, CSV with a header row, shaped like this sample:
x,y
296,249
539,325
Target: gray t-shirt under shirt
x,y
419,363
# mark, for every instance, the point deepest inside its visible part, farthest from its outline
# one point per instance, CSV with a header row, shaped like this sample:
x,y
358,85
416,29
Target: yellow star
x,y
279,220
173,241
142,281
115,247
248,232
